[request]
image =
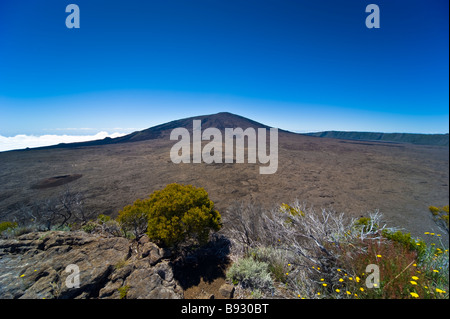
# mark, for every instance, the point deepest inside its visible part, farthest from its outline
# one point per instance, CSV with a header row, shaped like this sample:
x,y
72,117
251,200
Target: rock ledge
x,y
34,266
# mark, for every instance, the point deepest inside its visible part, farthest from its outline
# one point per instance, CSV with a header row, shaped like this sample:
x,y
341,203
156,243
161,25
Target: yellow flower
x,y
440,291
357,279
362,289
413,282
321,279
415,277
23,275
350,278
338,269
379,256
318,294
324,285
341,280
435,270
289,265
414,294
337,290
287,274
427,233
415,265
348,292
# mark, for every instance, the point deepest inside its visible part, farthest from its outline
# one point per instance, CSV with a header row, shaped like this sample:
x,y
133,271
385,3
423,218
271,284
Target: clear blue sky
x,y
303,65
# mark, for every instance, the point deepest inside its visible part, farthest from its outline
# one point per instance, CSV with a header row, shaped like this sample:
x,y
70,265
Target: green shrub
x,y
440,215
251,274
276,261
172,215
123,291
181,212
407,241
89,227
364,224
134,218
103,219
7,225
434,210
293,211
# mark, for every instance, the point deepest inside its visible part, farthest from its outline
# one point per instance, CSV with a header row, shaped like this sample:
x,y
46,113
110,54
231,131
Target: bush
x,y
364,224
59,212
276,259
172,215
181,212
134,218
440,215
89,227
293,211
103,219
250,273
7,225
245,225
313,254
407,241
123,291
103,225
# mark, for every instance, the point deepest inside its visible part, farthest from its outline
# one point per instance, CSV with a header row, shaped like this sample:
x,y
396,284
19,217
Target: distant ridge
x,y
419,139
224,120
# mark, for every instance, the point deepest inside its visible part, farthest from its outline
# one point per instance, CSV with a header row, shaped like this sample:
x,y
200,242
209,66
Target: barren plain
x,y
352,177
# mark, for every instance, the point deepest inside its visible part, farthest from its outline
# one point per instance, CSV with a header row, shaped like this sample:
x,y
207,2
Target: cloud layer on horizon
x,y
22,141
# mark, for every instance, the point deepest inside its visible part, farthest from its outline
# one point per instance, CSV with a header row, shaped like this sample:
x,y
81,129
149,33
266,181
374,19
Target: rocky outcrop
x,y
46,265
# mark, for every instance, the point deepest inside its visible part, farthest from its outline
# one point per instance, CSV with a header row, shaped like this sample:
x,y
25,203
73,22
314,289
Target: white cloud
x,y
23,141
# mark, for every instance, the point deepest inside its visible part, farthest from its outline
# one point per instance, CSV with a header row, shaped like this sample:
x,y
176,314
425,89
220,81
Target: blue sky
x,y
298,65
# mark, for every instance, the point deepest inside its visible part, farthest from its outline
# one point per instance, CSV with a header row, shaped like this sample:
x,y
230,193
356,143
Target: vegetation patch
x,y
172,216
325,255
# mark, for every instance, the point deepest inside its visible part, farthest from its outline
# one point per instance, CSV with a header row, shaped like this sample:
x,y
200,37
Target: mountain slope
x,y
220,120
